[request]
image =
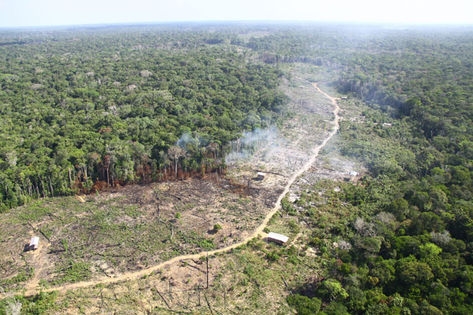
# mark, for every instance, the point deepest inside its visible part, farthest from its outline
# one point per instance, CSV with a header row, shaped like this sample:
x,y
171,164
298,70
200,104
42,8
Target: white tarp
x,y
34,242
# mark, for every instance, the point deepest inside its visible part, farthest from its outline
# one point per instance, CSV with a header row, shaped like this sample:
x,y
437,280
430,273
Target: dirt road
x,y
32,287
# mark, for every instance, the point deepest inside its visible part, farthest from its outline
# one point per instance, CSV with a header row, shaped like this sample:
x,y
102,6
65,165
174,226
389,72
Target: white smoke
x,y
188,139
261,142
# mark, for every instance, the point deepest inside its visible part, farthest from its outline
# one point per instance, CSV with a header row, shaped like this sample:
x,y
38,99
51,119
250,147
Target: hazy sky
x,y
66,12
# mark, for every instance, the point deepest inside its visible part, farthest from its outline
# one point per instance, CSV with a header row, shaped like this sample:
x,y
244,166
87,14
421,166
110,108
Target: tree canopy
x,y
84,106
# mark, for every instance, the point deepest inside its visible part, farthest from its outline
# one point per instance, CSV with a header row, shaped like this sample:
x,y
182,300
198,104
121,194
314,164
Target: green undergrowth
x,y
41,303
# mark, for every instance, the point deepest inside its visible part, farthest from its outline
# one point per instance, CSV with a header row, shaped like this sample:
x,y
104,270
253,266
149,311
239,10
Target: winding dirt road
x,y
32,289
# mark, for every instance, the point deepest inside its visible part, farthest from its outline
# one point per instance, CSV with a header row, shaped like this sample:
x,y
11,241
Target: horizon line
x,y
251,21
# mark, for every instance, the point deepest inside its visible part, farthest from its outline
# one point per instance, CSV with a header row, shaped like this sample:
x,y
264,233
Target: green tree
x,y
303,304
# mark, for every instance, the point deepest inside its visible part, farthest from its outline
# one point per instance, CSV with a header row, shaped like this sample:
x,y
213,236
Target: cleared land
x,y
125,240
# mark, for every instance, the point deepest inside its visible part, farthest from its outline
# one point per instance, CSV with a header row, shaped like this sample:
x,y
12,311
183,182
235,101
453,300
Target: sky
x,y
20,13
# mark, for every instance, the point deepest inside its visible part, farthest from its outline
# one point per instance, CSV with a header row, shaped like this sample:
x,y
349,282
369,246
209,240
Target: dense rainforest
x,y
84,108
138,104
406,243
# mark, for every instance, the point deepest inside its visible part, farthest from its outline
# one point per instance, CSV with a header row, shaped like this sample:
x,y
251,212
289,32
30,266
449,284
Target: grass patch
x,y
74,272
34,211
42,303
22,276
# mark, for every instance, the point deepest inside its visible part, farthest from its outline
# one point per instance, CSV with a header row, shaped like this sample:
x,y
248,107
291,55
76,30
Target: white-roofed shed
x,y
277,238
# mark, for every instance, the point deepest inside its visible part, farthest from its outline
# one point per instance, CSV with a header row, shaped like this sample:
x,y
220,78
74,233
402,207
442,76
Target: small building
x,y
259,176
34,243
352,176
277,238
353,173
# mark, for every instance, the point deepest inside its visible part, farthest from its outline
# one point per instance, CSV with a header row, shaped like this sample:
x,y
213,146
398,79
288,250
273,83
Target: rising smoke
x,y
188,140
266,145
261,142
